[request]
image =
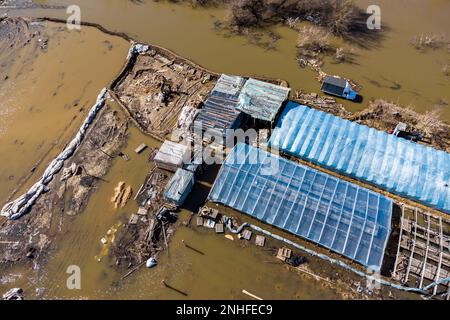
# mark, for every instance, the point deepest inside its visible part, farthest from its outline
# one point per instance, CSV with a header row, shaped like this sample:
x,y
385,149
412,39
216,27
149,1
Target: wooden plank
x,y
440,256
413,247
199,221
219,227
430,271
426,250
394,273
260,241
140,148
247,234
284,253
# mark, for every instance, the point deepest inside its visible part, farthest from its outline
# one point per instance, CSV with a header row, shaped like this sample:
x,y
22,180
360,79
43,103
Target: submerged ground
x,y
46,94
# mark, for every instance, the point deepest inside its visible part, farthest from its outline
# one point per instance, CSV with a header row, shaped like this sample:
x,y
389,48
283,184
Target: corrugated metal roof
x,y
339,82
229,85
179,186
262,100
172,155
336,214
400,166
219,112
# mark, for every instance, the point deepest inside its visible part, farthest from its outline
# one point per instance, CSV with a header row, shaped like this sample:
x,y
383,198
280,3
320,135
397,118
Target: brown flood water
x,y
41,100
391,69
87,64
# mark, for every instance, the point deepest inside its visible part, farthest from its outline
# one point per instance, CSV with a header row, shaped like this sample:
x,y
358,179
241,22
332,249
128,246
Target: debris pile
x,y
384,115
158,85
14,294
122,193
323,103
147,232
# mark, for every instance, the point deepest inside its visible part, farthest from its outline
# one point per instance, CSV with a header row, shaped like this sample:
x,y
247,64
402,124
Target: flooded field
x,y
391,68
45,97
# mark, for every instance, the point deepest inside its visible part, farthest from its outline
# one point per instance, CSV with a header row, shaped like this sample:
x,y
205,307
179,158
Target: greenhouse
x,y
400,166
336,214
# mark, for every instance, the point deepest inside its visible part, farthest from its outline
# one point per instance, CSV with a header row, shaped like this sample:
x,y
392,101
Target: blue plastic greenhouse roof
x,y
336,214
394,164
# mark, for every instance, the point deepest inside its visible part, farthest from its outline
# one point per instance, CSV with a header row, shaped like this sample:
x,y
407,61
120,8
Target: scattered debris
x,y
246,234
140,148
14,294
219,228
68,172
151,262
284,254
142,211
121,195
229,237
260,241
133,219
209,223
156,85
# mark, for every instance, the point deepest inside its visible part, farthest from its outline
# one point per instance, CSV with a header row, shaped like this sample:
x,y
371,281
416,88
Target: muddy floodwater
x,y
389,68
44,97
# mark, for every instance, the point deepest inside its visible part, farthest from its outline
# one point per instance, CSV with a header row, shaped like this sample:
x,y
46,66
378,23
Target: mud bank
x,y
69,192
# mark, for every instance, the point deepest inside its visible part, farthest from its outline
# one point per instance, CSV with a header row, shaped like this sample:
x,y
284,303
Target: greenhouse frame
x,y
338,215
400,166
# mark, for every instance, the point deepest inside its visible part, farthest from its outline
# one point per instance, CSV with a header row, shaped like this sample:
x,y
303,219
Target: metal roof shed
x,y
334,213
219,112
179,186
262,100
172,156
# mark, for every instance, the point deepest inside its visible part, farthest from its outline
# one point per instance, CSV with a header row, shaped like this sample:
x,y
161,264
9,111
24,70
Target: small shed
x,y
227,85
219,112
179,186
262,100
172,156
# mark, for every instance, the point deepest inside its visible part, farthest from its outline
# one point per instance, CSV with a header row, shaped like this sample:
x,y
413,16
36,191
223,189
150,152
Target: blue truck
x,y
338,87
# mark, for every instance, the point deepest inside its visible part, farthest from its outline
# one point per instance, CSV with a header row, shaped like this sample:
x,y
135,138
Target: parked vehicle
x,y
338,87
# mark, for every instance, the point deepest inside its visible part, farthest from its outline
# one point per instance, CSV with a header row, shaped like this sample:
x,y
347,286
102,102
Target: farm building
x,y
338,215
179,186
400,166
262,100
219,112
172,156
